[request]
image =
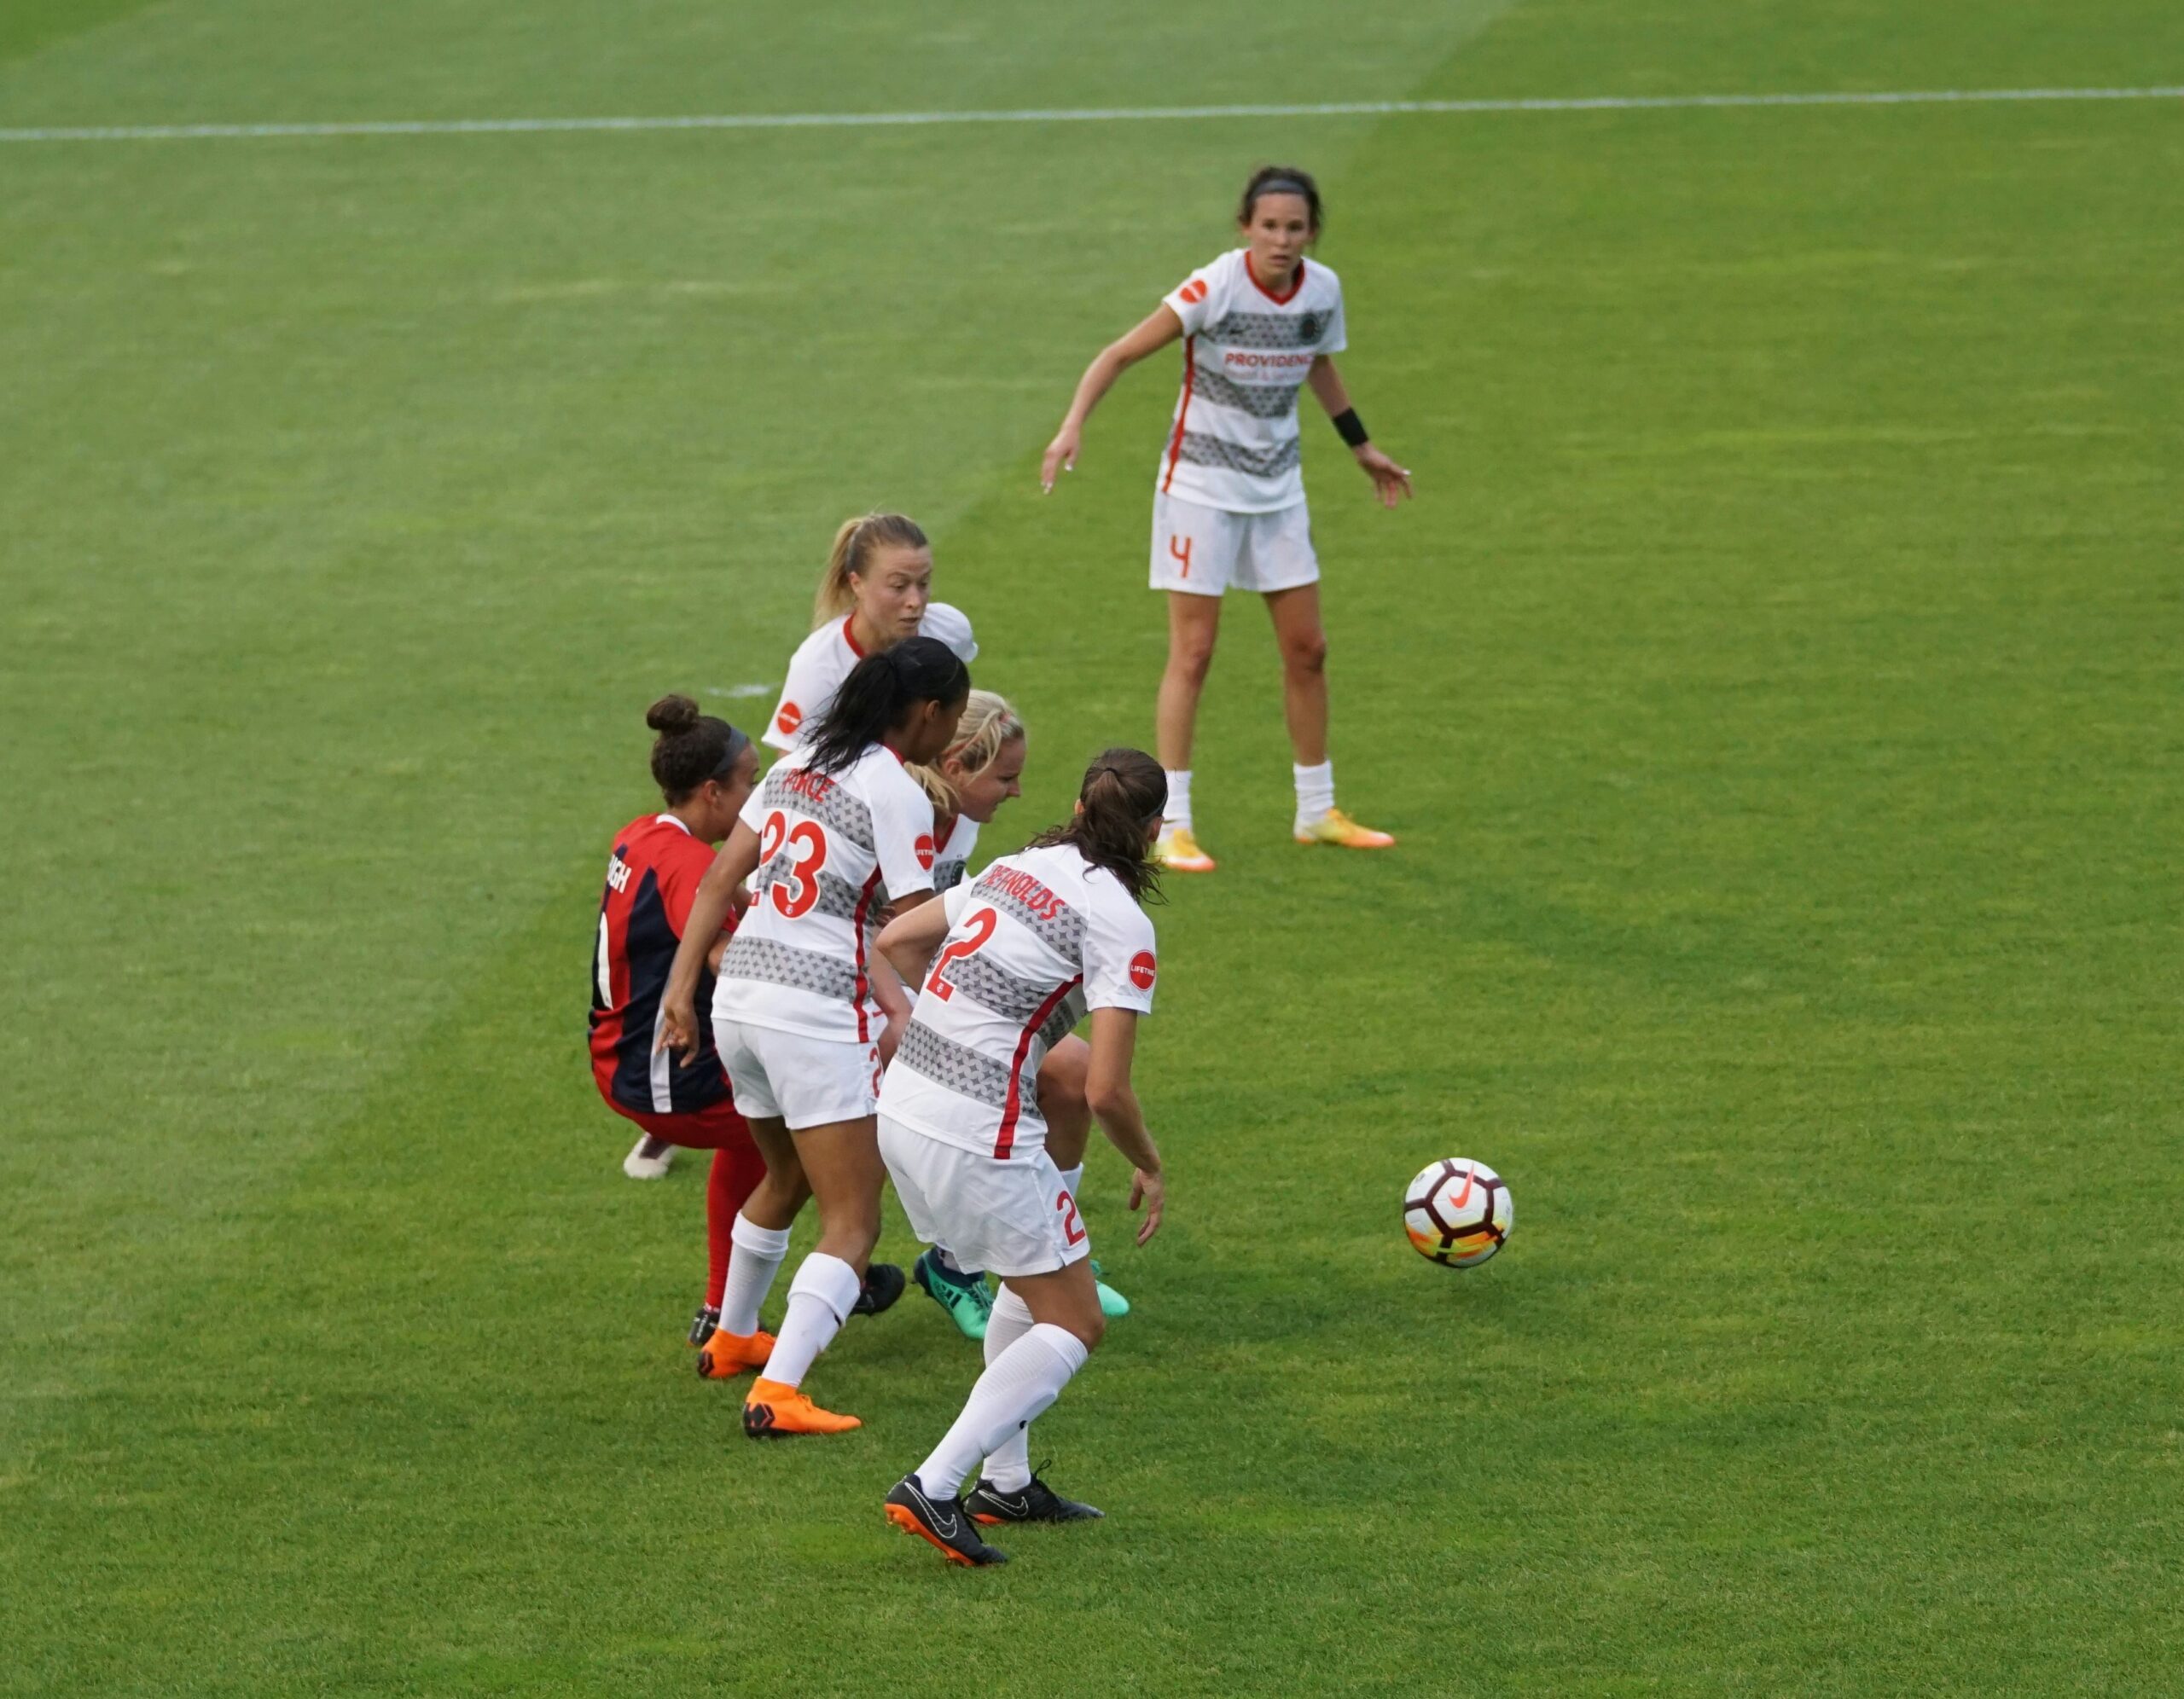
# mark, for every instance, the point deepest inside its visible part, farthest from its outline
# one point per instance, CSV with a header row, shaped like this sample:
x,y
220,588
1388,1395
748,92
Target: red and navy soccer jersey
x,y
652,879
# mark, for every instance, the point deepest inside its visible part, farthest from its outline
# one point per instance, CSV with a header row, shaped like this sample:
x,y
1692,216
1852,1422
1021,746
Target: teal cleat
x,y
964,1296
1112,1303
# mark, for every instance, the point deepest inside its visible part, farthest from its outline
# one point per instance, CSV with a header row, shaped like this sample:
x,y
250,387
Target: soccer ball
x,y
1458,1212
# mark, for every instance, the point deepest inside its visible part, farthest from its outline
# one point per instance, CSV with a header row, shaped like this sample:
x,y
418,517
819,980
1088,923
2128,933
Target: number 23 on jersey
x,y
794,893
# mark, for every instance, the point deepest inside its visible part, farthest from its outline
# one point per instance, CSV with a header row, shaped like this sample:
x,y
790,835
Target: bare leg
x,y
1062,1101
842,1160
1067,1298
777,1198
1192,622
1303,644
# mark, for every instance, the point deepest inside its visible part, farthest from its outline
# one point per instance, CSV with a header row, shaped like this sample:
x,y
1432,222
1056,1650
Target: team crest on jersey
x,y
1309,326
1142,970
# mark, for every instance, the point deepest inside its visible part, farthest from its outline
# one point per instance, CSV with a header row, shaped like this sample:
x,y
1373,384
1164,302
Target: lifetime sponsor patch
x,y
1144,969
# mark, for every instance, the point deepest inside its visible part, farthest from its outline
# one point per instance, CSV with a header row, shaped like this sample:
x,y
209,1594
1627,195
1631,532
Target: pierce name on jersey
x,y
1035,942
1234,443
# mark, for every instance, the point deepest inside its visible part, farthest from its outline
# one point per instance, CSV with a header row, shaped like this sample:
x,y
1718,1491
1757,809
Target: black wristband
x,y
1350,428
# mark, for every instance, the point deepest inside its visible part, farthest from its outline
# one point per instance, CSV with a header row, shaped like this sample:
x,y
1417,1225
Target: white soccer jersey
x,y
955,857
834,849
823,660
1234,443
1033,942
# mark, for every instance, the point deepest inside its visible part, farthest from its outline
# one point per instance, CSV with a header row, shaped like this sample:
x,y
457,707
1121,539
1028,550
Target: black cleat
x,y
942,1523
703,1326
883,1284
1037,1503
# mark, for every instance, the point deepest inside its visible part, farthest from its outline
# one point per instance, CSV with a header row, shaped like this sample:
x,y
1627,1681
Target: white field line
x,y
860,120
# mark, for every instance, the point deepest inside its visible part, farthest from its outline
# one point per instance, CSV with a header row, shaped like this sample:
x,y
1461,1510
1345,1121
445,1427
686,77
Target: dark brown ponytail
x,y
691,748
1124,791
879,692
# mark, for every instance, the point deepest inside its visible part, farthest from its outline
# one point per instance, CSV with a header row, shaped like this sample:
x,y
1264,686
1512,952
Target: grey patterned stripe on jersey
x,y
1201,450
1260,401
780,963
956,1066
947,874
1268,330
834,808
840,898
1063,932
997,988
1063,1022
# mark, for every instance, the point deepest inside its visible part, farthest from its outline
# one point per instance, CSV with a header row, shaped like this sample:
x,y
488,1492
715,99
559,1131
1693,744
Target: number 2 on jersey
x,y
981,929
805,837
1072,1230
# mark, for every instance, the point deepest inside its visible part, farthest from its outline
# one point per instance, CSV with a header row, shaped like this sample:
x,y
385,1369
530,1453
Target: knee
x,y
1190,659
1305,655
1062,1076
1092,1328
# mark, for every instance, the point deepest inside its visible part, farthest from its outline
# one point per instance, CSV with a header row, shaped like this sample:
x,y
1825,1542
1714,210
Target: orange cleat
x,y
774,1411
1178,850
1336,827
725,1356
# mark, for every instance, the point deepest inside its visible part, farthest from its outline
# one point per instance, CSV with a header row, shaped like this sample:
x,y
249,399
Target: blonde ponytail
x,y
852,555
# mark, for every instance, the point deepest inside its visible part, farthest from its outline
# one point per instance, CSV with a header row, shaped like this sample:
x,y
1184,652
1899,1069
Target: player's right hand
x,y
1152,1190
678,1026
1061,457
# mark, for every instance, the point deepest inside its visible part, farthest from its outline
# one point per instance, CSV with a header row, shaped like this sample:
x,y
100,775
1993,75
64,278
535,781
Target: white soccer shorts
x,y
789,1077
1011,1217
1203,551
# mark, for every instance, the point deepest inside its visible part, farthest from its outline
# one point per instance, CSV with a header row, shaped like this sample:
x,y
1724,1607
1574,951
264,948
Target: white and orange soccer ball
x,y
1458,1212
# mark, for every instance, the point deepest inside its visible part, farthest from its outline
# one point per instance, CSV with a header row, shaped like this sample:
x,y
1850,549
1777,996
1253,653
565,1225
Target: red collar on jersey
x,y
849,635
1295,283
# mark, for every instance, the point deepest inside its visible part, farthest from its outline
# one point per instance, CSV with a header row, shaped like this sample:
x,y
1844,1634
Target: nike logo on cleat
x,y
946,1527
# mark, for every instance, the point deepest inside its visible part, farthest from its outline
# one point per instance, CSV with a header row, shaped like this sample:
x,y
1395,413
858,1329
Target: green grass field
x,y
1777,686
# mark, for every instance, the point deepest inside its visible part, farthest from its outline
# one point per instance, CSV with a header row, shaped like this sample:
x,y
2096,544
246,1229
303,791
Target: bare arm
x,y
709,912
1392,481
887,987
910,938
1108,1093
1159,328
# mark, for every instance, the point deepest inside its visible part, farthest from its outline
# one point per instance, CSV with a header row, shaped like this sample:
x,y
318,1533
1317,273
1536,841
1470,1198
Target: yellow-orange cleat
x,y
774,1411
1178,851
725,1356
1336,827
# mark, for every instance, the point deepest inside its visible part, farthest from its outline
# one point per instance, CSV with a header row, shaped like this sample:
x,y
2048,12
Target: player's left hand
x,y
1390,481
1152,1190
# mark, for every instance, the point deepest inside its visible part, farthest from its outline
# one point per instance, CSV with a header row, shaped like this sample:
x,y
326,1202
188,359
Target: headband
x,y
1279,186
737,743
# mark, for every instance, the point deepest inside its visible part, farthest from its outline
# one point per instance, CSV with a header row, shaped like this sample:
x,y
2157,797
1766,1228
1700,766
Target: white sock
x,y
1178,815
1009,1468
1074,1179
1315,790
1017,1386
758,1255
819,1301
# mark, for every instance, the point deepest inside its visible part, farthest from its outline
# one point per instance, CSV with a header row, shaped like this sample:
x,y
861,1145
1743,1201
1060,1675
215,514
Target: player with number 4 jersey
x,y
834,840
1008,964
1258,324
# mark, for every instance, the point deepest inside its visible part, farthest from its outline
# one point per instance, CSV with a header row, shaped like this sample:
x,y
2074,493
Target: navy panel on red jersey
x,y
652,878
